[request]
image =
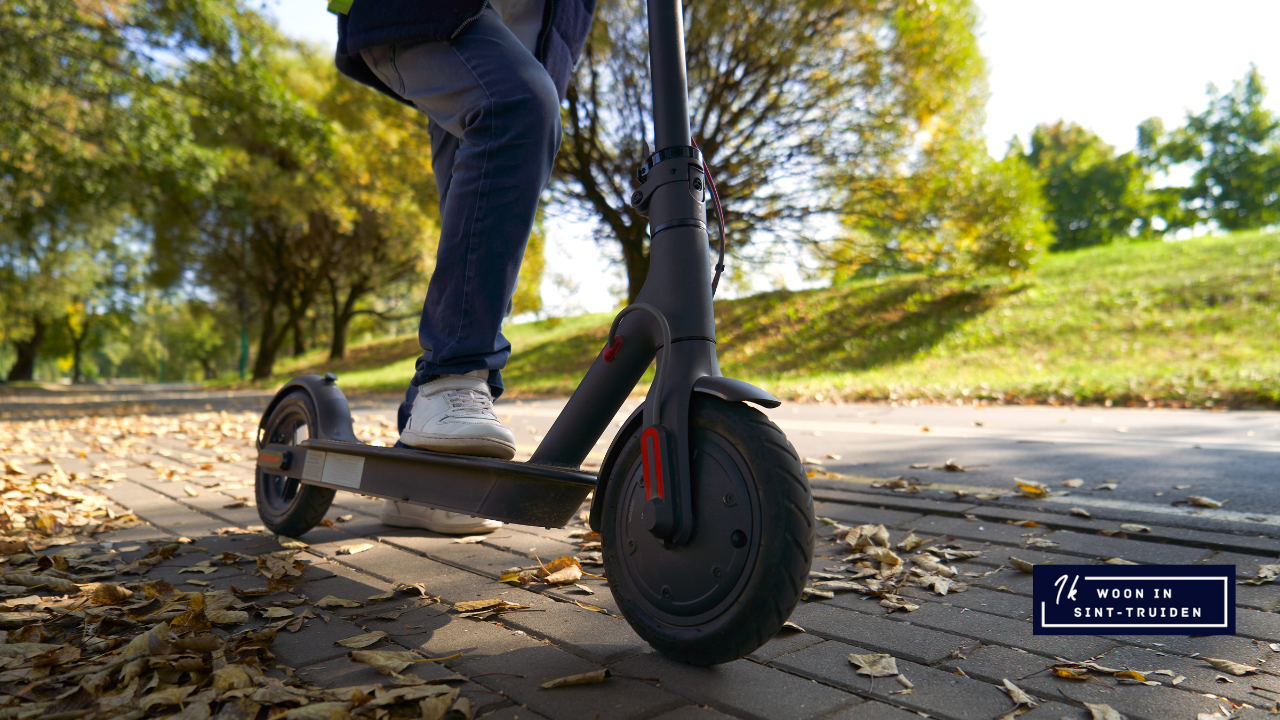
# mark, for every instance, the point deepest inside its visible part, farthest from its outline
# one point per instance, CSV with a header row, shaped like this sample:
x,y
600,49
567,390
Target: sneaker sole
x,y
405,521
477,446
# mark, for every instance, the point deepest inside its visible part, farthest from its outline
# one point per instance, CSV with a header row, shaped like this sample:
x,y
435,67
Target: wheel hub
x,y
686,585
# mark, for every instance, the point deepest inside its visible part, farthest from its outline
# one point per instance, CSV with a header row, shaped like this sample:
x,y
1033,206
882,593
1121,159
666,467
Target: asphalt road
x,y
1155,458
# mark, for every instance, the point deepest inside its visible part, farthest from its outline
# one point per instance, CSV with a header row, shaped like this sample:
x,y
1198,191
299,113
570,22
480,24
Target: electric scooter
x,y
704,511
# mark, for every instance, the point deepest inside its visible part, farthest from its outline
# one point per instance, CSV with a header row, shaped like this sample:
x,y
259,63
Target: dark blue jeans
x,y
494,119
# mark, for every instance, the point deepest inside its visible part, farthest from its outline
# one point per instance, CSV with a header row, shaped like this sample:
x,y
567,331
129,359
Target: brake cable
x,y
715,280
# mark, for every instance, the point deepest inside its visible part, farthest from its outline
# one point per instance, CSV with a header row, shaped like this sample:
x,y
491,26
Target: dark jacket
x,y
565,25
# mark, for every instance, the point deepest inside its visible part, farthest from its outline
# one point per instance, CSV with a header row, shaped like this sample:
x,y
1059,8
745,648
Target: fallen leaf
x,y
362,641
788,625
387,662
1202,501
1018,696
1070,673
1080,511
1132,527
1031,488
1228,666
1132,675
1022,565
1107,486
1119,561
1266,574
109,594
1026,523
897,602
469,540
277,612
567,576
227,617
587,678
1041,542
332,601
316,711
1073,482
875,664
190,491
354,548
1101,711
235,504
911,542
807,592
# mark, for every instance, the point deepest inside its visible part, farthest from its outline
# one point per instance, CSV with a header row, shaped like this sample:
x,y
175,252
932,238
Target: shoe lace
x,y
468,400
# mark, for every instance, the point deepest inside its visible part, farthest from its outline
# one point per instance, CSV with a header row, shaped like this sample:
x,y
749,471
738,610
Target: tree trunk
x,y
267,343
25,366
77,351
342,320
299,342
636,257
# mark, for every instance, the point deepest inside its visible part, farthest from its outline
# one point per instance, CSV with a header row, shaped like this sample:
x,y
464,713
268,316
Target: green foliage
x,y
1234,145
1093,195
802,109
1176,323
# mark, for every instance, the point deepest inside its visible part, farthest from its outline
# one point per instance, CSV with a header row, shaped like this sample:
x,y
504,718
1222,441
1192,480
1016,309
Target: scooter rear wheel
x,y
286,506
730,589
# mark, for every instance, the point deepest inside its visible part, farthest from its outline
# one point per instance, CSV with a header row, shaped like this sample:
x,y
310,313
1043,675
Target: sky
x,y
1106,65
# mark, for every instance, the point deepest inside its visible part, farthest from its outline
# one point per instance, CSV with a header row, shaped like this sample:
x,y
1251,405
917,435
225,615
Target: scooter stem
x,y
667,70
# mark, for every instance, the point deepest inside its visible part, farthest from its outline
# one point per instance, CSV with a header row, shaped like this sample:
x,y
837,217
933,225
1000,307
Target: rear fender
x,y
332,412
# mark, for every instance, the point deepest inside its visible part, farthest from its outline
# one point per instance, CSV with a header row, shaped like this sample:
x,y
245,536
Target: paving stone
x,y
515,712
901,639
995,602
314,642
589,634
212,505
347,584
160,511
1260,625
873,710
784,642
472,557
448,583
342,672
839,491
1259,597
741,688
997,555
514,540
991,531
1219,646
863,514
1103,547
1201,676
1052,520
693,712
997,630
438,635
1246,565
870,605
519,674
994,663
1011,579
603,597
1137,702
936,692
1056,711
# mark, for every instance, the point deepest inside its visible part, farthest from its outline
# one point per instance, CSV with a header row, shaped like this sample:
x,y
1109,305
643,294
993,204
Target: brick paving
x,y
956,649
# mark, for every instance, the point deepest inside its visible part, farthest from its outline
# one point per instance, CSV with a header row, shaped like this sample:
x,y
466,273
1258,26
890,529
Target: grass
x,y
1173,324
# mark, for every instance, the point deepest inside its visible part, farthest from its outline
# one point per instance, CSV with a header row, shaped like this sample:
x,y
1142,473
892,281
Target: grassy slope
x,y
1174,323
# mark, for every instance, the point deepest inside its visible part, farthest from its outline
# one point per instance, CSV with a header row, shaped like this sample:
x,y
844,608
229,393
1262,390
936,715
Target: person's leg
x,y
491,94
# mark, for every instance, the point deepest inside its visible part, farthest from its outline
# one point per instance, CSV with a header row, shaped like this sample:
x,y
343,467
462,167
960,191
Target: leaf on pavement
x,y
1266,574
1119,561
1134,527
875,664
1081,512
897,602
316,711
109,594
1206,502
587,678
1031,488
1228,666
1070,672
387,662
333,601
1018,696
1022,565
277,612
1102,711
354,548
469,540
1073,482
911,542
567,576
227,617
362,641
808,592
1131,675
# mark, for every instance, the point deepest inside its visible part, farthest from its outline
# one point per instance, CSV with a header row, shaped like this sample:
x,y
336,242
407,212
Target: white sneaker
x,y
403,514
454,414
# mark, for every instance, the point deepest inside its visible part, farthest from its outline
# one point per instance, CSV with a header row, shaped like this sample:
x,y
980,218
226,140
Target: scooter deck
x,y
513,492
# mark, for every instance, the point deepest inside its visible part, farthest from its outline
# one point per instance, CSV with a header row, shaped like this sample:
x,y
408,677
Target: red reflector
x,y
612,351
269,458
651,452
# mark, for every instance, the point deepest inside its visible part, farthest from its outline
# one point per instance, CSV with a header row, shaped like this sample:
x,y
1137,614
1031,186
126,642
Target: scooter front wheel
x,y
286,506
731,588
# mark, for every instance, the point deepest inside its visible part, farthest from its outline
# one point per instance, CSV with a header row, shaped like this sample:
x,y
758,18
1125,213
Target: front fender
x,y
721,387
333,415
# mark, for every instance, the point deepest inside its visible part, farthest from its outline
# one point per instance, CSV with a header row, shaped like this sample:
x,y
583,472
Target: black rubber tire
x,y
286,506
768,588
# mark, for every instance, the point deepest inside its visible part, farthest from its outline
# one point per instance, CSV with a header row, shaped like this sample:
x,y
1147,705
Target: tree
x,y
1235,145
797,106
1093,195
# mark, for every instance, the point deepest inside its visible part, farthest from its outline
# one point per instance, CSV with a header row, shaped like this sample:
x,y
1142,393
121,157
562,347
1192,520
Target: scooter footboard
x,y
512,492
